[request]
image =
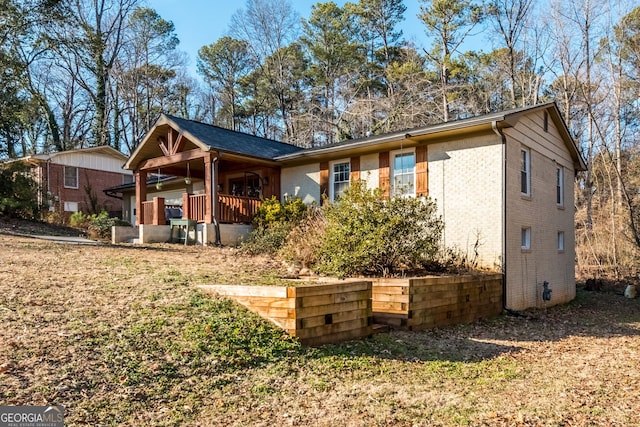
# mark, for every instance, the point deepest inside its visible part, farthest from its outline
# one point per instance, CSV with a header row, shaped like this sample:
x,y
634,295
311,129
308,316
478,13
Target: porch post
x,y
185,206
208,189
158,211
141,195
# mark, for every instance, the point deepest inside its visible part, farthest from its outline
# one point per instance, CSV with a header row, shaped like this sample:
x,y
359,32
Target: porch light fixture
x,y
187,180
158,183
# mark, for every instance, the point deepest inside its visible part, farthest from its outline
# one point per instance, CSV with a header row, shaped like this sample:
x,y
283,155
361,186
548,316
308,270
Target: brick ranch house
x,y
503,184
66,178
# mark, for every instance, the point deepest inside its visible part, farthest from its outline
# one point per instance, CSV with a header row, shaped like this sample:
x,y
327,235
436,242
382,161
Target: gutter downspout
x,y
498,131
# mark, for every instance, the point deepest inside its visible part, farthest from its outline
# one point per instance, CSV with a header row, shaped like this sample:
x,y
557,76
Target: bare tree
x,y
89,44
268,26
509,18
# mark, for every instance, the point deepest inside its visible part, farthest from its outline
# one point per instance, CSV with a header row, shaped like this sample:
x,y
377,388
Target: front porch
x,y
209,175
229,209
235,215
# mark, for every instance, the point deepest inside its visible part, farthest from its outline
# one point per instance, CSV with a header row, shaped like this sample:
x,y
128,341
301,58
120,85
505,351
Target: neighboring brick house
x,y
74,180
503,184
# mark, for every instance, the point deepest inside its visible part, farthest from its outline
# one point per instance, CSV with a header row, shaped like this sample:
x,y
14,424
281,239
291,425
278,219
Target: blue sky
x,y
202,22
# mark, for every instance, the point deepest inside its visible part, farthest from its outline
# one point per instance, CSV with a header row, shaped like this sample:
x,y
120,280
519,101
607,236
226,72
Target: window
x,y
560,240
560,186
340,177
70,177
404,174
249,186
71,206
545,124
525,238
127,179
525,172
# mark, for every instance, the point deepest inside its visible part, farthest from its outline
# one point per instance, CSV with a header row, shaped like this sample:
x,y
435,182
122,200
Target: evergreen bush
x,y
18,191
367,234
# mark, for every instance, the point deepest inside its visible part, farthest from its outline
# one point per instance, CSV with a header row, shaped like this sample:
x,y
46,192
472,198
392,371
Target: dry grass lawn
x,y
119,335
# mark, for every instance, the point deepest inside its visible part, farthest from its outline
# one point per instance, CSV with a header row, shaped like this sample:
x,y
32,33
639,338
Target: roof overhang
x,y
102,149
430,134
148,148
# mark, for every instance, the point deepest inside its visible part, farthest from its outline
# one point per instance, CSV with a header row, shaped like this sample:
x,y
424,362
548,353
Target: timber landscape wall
x,y
316,314
332,312
428,302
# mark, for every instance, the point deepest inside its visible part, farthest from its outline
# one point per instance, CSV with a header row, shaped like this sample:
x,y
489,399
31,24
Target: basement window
x,y
560,241
525,238
71,206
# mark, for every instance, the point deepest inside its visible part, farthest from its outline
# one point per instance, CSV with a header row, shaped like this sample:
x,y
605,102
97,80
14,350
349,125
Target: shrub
x,y
80,220
272,211
304,239
100,225
368,234
273,222
267,240
18,191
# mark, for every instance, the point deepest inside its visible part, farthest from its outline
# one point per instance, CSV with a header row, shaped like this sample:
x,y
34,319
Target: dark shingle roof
x,y
234,142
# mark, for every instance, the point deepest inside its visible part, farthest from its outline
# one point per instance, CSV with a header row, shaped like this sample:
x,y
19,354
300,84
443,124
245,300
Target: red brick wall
x,y
95,179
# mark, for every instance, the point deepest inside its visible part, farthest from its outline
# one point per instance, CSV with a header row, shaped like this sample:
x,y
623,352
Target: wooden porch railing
x,y
153,211
147,212
237,209
231,209
197,206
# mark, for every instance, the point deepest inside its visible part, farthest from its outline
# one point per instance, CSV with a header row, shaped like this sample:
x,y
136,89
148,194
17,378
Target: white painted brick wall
x,y
302,181
465,180
369,170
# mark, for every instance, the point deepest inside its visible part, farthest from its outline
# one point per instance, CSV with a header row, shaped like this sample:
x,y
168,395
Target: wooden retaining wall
x,y
316,314
427,302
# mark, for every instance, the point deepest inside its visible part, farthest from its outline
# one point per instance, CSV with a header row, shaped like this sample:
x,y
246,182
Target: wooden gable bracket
x,y
162,142
172,143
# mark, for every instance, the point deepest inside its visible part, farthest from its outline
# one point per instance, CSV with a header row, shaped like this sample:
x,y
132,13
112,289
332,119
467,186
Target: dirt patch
x,y
22,227
120,335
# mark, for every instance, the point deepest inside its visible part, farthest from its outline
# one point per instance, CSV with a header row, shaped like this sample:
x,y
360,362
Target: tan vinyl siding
x,y
527,270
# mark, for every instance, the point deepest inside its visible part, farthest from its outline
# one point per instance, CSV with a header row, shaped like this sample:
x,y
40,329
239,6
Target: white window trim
x,y
332,194
64,177
70,206
392,157
527,151
560,241
560,185
525,238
